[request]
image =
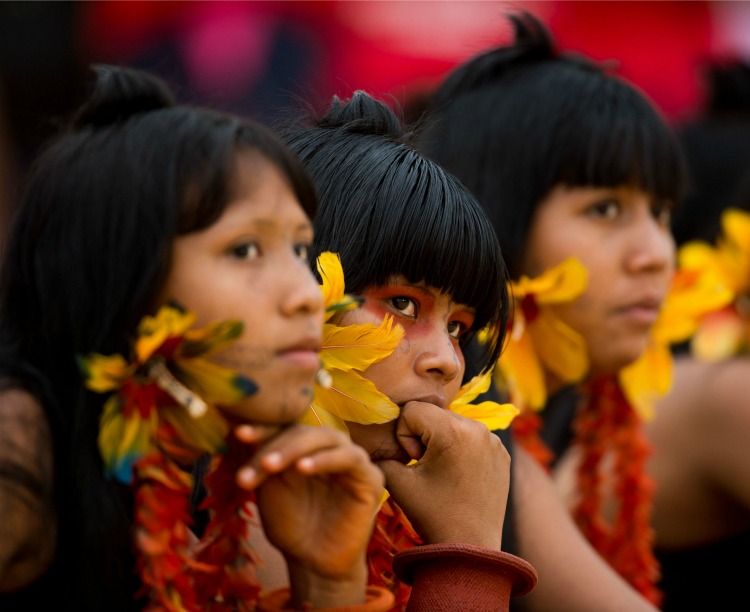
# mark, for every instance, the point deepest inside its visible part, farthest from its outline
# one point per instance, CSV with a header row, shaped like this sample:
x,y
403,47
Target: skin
x,y
702,478
622,237
461,468
317,491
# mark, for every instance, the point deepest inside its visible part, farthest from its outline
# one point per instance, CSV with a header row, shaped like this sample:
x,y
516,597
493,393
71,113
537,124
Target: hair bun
x,y
362,114
120,93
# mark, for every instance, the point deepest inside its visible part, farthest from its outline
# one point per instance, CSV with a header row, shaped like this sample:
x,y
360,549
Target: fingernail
x,y
246,477
306,464
272,460
244,432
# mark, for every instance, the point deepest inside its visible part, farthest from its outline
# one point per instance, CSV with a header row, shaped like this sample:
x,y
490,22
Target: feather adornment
x,y
346,352
161,417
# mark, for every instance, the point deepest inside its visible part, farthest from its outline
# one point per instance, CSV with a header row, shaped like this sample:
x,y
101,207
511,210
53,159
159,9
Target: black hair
x,y
717,150
387,210
88,253
515,121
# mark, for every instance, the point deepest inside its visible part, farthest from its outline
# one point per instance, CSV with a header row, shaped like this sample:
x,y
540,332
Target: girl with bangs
x,y
418,250
156,308
578,173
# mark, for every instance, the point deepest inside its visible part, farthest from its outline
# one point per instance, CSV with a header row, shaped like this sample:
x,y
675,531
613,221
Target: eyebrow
x,y
270,224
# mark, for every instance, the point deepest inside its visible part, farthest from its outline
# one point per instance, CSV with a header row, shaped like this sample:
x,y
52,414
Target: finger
x,y
253,434
283,450
417,425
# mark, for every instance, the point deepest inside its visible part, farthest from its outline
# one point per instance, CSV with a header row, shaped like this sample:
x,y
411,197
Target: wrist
x,y
315,589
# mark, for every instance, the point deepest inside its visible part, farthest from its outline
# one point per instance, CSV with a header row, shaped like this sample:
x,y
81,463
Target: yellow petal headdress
x,y
693,294
346,352
349,350
724,332
538,339
492,414
168,380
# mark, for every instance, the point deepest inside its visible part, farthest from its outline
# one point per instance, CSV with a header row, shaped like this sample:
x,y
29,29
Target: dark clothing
x,y
699,578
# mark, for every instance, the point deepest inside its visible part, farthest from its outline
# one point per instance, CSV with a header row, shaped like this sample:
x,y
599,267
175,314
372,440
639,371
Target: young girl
x,y
416,246
578,173
109,397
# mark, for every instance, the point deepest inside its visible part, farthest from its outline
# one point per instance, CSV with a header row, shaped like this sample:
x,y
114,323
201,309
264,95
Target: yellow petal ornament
x,y
538,339
492,414
346,352
726,332
693,294
169,382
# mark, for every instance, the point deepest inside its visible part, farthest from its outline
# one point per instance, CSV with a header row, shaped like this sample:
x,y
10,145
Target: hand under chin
x,y
379,441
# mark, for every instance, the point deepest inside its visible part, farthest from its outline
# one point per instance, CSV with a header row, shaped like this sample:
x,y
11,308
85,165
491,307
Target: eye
x,y
606,209
405,305
303,252
456,329
246,251
662,211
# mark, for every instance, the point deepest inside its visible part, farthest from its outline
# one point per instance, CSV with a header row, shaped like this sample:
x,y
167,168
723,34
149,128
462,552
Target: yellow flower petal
x,y
332,275
520,373
561,349
469,391
104,373
320,417
122,441
693,294
205,434
210,339
213,383
648,379
561,283
492,414
354,398
169,322
356,347
720,335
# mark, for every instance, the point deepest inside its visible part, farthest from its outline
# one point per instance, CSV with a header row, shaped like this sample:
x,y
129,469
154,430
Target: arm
x,y
455,495
317,493
28,526
573,576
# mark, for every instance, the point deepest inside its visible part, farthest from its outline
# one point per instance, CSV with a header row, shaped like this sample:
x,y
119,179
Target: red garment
x,y
462,577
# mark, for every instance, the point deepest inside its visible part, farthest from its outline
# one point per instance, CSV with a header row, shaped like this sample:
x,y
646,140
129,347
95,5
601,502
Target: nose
x,y
437,357
302,294
652,247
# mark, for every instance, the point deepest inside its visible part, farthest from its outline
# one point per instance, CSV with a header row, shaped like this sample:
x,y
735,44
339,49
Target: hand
x,y
457,490
317,493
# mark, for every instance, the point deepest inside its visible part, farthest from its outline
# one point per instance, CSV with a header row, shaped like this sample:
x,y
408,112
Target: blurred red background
x,y
261,58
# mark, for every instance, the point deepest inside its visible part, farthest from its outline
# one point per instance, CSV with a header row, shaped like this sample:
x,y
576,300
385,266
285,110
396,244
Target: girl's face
x,y
251,265
427,366
622,237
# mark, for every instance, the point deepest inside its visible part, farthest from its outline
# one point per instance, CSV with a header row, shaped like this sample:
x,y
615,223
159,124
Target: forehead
x,y
260,190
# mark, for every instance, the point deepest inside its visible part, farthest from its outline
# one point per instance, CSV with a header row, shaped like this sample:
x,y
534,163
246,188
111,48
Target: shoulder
x,y
27,531
706,418
23,421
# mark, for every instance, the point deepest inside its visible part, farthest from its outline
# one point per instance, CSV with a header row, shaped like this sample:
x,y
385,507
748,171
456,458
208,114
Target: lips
x,y
642,312
438,399
304,354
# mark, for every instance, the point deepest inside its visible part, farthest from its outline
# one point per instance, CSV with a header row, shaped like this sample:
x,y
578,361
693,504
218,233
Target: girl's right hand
x,y
457,490
317,493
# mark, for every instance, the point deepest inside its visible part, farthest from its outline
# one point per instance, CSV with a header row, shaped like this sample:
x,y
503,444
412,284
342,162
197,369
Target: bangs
x,y
438,235
403,215
612,136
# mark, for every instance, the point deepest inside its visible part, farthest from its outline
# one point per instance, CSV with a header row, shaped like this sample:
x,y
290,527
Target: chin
x,y
272,408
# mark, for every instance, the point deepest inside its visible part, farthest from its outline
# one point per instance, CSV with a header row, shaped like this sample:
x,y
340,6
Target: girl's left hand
x,y
317,493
